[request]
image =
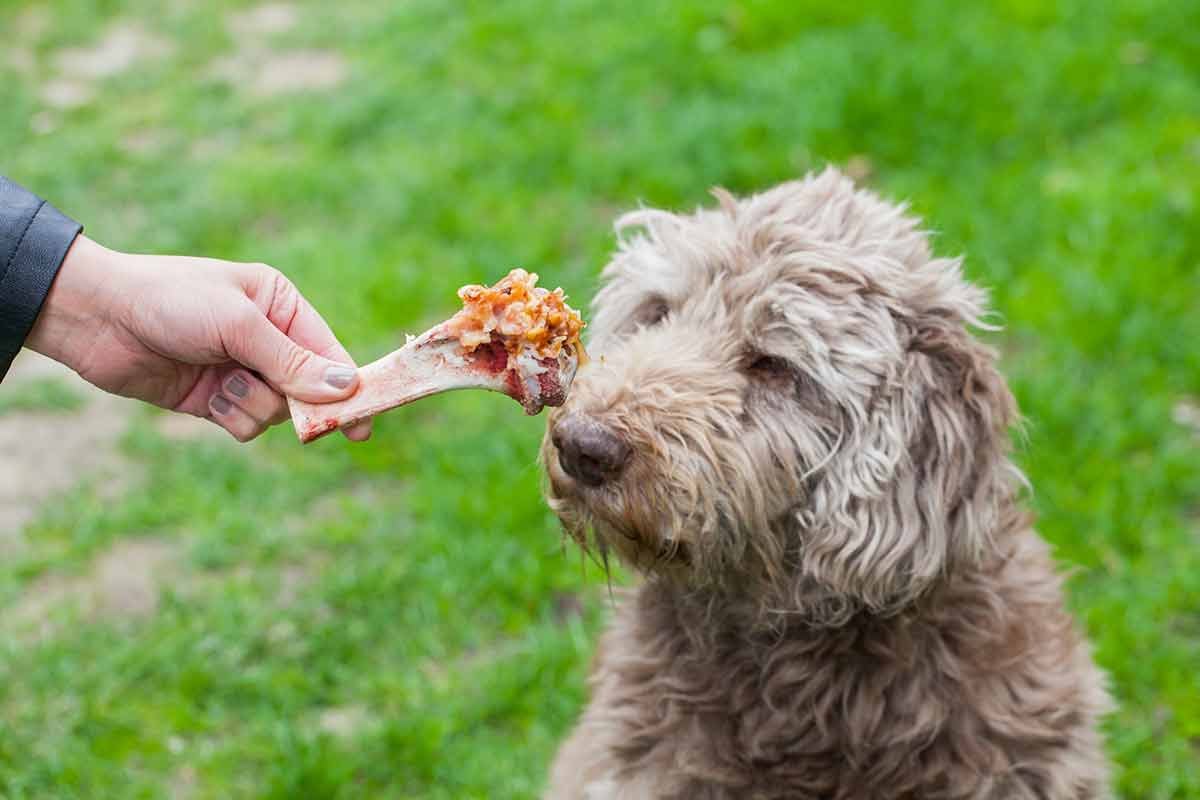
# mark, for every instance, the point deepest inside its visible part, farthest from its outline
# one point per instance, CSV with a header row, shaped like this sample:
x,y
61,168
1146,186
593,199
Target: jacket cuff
x,y
34,239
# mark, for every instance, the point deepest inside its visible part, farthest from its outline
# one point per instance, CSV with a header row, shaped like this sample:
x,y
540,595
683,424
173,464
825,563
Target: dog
x,y
790,432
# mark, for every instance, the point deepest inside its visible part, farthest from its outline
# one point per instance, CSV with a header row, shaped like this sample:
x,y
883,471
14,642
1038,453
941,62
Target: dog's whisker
x,y
607,575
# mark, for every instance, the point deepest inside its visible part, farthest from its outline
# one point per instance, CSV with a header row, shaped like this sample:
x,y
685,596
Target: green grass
x,y
41,394
418,580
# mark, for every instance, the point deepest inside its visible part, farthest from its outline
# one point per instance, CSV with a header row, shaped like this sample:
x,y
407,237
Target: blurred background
x,y
182,617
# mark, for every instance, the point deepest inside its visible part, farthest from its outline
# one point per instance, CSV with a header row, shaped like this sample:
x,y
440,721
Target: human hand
x,y
217,339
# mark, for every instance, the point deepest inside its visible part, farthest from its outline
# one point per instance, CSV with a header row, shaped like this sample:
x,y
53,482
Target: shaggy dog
x,y
789,430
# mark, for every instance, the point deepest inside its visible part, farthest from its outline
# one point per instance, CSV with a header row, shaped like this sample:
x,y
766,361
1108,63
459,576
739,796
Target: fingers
x,y
266,407
358,432
309,327
253,396
233,419
301,373
246,406
292,368
332,349
314,366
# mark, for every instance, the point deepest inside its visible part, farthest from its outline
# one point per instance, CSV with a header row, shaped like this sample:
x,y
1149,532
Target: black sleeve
x,y
34,239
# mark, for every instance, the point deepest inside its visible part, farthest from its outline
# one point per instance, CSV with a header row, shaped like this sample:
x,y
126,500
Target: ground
x,y
183,617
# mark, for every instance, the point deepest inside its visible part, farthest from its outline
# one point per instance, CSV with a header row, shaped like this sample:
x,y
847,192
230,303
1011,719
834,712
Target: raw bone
x,y
437,362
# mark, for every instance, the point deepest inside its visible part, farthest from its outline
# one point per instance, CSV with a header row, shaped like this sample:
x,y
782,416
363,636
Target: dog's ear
x,y
960,441
921,483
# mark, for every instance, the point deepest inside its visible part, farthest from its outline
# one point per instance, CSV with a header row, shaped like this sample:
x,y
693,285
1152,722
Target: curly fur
x,y
843,597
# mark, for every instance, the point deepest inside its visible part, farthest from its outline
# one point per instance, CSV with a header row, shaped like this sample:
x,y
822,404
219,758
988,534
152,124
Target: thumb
x,y
294,370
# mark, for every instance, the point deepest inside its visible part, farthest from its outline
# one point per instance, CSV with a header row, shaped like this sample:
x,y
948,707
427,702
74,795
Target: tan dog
x,y
789,430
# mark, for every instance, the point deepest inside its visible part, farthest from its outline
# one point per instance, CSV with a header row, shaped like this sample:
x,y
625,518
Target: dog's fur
x,y
843,596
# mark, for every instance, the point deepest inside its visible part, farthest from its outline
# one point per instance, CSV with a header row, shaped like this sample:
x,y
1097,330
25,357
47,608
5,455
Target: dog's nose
x,y
589,451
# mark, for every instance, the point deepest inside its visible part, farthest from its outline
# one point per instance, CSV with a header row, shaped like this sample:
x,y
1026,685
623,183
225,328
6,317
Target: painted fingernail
x,y
237,386
339,377
220,404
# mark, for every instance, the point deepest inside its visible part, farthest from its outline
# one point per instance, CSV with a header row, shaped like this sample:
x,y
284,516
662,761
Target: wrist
x,y
78,304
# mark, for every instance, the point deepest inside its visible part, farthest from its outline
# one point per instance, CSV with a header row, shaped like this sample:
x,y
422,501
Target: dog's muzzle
x,y
588,450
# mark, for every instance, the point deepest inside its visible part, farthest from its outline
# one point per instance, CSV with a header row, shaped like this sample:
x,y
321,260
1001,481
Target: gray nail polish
x,y
220,404
339,377
237,386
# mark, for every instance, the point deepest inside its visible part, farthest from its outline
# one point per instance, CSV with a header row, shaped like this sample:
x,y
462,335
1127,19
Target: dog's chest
x,y
741,718
892,708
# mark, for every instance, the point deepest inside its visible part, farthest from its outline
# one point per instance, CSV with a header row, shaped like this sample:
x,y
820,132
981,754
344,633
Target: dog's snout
x,y
588,450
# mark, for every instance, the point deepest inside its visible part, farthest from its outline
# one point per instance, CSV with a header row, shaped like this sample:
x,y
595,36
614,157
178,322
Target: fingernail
x,y
237,386
220,404
339,377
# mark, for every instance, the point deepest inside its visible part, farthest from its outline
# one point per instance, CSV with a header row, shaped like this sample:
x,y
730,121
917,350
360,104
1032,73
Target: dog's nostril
x,y
589,451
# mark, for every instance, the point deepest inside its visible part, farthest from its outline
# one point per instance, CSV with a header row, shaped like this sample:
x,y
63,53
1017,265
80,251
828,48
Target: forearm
x,y
34,240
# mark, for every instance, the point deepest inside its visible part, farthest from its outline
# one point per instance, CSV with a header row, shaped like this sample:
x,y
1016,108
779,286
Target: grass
x,y
41,394
415,585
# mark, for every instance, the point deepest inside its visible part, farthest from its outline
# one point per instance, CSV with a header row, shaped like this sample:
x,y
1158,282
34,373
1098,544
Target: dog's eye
x,y
651,313
771,371
769,365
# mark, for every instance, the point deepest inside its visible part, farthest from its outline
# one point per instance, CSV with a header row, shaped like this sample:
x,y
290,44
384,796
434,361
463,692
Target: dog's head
x,y
785,400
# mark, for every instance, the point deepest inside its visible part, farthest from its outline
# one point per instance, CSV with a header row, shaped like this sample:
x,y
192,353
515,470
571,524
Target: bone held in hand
x,y
513,338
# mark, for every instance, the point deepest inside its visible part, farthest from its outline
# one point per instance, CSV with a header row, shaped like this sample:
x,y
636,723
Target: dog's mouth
x,y
604,515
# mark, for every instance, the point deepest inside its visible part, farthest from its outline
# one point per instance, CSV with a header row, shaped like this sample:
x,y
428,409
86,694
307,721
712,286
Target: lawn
x,y
398,619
